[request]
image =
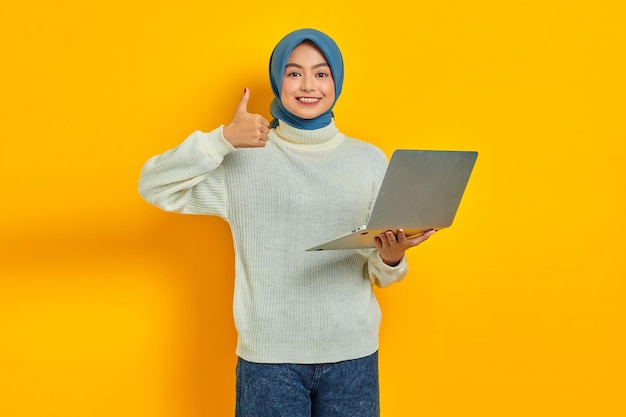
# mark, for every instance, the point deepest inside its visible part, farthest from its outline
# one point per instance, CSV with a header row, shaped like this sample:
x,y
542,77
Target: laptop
x,y
421,190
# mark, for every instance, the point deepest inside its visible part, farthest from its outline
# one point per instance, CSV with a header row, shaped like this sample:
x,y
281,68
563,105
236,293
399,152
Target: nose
x,y
308,83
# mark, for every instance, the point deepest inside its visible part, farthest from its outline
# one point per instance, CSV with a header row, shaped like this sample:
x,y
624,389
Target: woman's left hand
x,y
392,247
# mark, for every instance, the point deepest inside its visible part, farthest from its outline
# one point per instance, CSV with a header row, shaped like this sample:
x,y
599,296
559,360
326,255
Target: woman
x,y
307,322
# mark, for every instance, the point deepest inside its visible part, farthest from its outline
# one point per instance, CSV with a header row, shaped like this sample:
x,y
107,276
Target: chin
x,y
311,114
308,116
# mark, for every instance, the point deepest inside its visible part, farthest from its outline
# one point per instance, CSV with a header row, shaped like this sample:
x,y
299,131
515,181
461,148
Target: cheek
x,y
285,90
330,90
330,93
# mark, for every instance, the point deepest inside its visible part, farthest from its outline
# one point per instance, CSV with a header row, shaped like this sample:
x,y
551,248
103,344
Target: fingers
x,y
388,238
424,236
390,251
242,107
263,129
247,130
392,246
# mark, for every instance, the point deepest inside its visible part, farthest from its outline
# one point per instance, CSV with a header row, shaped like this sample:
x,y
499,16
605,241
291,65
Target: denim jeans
x,y
343,389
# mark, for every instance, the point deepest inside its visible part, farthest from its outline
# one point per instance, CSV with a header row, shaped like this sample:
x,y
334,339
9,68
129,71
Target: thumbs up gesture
x,y
246,130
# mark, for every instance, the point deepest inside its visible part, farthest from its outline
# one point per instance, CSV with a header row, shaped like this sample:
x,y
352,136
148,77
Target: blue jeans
x,y
343,389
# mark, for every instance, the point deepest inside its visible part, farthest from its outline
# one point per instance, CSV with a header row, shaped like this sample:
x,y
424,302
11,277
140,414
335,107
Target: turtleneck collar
x,y
306,137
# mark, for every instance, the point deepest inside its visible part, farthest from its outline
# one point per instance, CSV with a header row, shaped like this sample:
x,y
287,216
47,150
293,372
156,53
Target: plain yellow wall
x,y
110,307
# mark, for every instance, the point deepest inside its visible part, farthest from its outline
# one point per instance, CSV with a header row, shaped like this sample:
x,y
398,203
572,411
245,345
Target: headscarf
x,y
278,61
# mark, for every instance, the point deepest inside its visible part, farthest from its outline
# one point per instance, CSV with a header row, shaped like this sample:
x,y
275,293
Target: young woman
x,y
307,322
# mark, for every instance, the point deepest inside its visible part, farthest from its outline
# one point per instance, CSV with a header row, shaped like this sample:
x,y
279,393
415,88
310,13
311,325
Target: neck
x,y
306,137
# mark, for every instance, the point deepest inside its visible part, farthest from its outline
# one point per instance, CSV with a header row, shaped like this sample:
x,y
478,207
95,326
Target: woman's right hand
x,y
247,130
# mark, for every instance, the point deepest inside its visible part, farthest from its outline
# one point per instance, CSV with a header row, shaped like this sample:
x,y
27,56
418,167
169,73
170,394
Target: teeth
x,y
308,99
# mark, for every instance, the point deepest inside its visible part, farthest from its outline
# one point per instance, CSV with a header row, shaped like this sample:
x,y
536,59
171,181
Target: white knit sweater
x,y
302,188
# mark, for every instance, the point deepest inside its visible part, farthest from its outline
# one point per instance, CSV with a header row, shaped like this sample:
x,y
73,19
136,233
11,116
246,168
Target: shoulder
x,y
366,150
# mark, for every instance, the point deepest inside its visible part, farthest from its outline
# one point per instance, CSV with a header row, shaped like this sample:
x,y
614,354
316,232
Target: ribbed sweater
x,y
303,188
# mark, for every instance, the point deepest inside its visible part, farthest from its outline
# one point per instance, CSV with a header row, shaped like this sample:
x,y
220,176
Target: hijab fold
x,y
278,62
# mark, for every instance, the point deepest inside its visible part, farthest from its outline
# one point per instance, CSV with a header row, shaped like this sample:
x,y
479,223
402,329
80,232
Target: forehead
x,y
307,51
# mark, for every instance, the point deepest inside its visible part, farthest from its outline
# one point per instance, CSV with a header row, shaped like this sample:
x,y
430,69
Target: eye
x,y
293,74
323,75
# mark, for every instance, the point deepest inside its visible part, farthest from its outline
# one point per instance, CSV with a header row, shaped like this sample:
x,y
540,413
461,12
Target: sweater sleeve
x,y
190,177
383,275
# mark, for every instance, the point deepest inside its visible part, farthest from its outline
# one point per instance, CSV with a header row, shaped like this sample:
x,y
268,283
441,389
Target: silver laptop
x,y
421,190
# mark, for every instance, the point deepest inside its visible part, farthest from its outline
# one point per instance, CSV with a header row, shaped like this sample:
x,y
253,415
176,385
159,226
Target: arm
x,y
387,265
190,177
383,275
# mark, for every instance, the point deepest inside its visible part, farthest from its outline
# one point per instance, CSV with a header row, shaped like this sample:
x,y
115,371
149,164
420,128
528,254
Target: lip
x,y
308,100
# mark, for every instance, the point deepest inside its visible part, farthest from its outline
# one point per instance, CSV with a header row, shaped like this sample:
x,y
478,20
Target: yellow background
x,y
110,307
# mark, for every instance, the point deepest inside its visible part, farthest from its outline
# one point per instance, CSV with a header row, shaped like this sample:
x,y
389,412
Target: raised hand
x,y
247,130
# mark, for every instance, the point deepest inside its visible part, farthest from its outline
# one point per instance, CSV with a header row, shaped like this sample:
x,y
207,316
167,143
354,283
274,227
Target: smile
x,y
308,99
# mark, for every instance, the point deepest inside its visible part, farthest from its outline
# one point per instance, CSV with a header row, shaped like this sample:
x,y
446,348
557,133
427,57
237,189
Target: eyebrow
x,y
323,64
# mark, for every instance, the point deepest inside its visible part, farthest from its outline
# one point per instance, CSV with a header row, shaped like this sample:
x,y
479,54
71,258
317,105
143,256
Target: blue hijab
x,y
278,61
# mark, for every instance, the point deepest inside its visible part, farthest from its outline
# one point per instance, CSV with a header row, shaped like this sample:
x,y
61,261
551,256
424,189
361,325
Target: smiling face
x,y
308,88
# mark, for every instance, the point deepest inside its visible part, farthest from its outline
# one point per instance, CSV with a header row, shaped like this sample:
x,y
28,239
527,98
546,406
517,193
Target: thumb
x,y
242,107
